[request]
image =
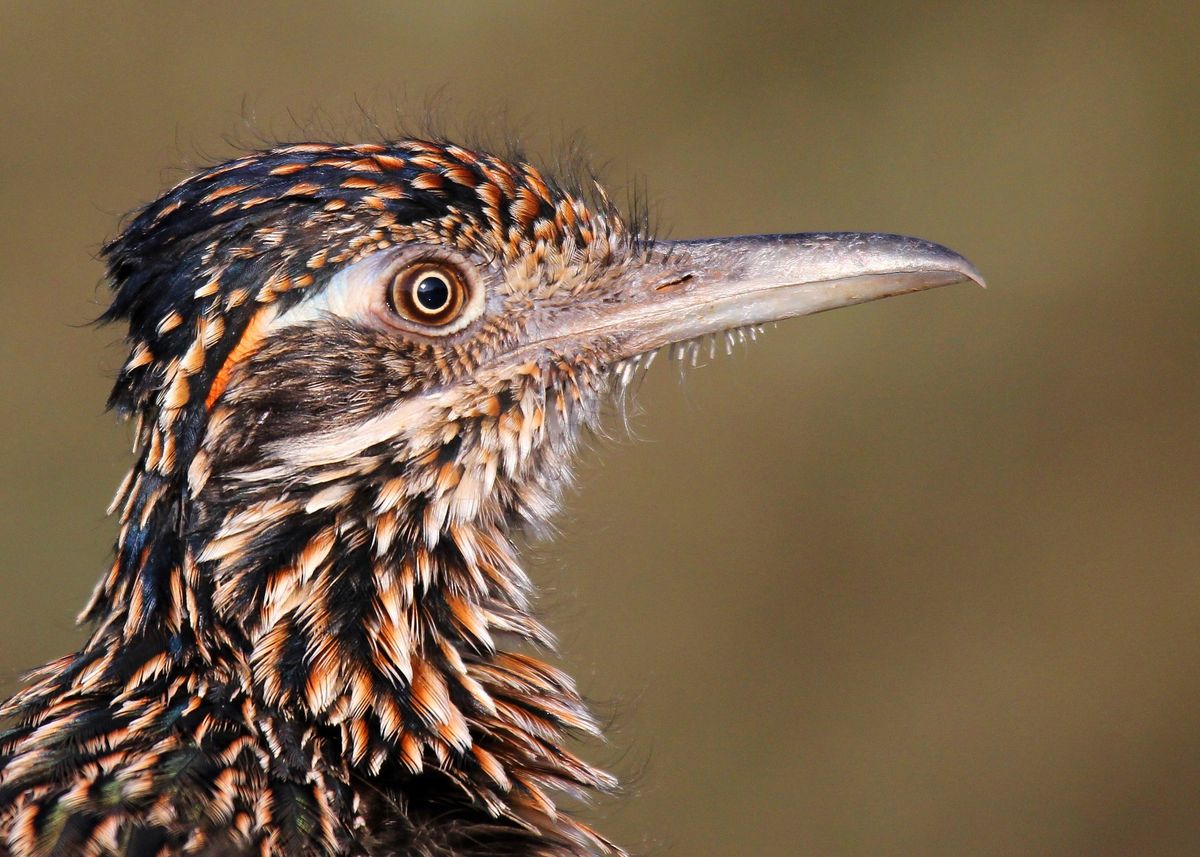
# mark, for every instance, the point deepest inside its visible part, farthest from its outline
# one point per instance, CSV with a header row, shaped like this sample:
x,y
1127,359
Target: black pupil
x,y
433,293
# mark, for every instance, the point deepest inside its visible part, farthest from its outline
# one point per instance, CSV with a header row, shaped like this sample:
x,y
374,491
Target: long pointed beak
x,y
697,287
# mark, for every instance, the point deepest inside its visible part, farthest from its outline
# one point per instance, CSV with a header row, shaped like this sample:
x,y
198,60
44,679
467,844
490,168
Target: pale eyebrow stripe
x,y
339,298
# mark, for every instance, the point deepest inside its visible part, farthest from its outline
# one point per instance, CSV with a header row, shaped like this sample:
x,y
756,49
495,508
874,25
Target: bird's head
x,y
306,320
355,369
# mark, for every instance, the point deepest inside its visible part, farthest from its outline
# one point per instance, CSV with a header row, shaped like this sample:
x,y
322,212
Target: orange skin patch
x,y
251,339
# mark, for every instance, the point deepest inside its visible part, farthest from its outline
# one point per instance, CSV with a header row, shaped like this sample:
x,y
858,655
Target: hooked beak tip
x,y
970,274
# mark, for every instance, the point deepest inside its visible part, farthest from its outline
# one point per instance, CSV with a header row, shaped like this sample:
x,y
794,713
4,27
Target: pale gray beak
x,y
692,288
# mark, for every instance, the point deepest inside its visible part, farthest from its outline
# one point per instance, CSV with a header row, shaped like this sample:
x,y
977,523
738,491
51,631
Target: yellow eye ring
x,y
428,293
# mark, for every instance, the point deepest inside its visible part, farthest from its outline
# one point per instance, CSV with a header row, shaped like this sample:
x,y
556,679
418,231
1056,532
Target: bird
x,y
356,373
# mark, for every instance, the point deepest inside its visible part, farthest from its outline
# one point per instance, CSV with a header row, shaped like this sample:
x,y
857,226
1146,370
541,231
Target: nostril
x,y
670,284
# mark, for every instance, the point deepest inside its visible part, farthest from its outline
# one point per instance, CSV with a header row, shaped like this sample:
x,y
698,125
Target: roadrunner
x,y
355,372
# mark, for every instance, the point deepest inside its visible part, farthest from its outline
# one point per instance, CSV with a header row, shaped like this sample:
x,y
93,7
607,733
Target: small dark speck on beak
x,y
672,283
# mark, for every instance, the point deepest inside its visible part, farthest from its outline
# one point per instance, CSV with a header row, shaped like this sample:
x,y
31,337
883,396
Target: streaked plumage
x,y
315,637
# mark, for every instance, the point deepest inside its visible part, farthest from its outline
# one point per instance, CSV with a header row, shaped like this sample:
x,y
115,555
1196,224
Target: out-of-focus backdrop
x,y
915,578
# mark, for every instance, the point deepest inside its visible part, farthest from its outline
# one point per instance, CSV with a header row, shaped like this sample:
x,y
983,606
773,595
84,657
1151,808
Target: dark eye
x,y
432,293
428,293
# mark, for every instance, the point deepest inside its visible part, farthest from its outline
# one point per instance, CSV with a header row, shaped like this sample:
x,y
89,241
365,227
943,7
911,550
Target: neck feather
x,y
389,613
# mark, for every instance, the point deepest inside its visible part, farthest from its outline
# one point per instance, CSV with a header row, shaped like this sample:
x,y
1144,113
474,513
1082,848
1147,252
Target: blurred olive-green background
x,y
915,578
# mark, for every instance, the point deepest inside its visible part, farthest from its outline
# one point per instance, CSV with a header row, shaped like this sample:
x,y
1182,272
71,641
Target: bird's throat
x,y
378,630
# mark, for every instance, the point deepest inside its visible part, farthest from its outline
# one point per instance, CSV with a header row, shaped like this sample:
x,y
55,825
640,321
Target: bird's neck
x,y
396,629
